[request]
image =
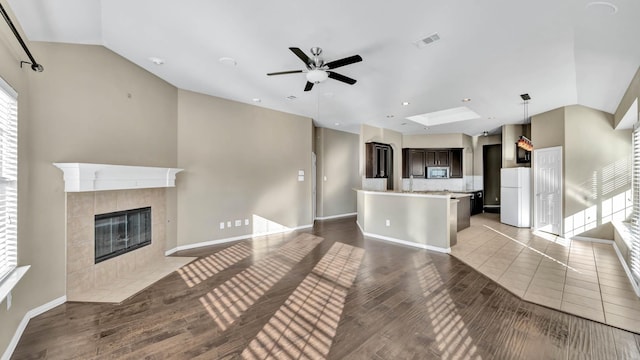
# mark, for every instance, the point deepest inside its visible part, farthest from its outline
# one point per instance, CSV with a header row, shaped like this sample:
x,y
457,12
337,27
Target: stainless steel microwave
x,y
437,172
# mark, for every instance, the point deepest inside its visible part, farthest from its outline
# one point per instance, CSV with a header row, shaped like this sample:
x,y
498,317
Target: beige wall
x,y
510,135
478,142
632,93
77,110
435,141
597,166
596,163
385,136
337,172
240,161
547,129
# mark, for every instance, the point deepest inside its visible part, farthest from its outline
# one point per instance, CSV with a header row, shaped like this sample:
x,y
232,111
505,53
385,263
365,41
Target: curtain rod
x,y
34,64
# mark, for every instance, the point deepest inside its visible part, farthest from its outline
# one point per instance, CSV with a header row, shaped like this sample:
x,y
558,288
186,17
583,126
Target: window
x,y
8,179
635,218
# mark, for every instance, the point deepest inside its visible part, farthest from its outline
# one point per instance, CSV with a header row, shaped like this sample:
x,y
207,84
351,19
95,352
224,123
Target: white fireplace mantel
x,y
97,177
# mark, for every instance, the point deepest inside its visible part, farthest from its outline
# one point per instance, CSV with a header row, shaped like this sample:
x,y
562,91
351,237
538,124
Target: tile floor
x,y
125,287
578,277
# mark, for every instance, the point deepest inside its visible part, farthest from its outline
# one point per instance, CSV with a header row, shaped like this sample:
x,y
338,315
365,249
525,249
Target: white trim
x,y
25,320
11,280
636,288
231,239
590,239
404,242
336,216
97,177
8,89
624,231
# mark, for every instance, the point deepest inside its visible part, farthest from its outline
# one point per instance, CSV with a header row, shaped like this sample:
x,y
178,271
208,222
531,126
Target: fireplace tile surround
x,y
118,278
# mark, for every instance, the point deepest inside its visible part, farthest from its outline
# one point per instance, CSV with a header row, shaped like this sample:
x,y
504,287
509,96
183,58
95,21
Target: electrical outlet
x,y
222,225
228,223
388,222
238,222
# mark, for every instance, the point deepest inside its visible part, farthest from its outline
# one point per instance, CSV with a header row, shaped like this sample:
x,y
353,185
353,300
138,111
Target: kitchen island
x,y
426,220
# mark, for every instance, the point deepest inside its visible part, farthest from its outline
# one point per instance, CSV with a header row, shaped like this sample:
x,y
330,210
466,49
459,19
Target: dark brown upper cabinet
x,y
437,157
415,161
455,169
379,162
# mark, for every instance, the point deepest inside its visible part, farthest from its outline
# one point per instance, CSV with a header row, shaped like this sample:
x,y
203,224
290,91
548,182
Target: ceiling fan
x,y
317,70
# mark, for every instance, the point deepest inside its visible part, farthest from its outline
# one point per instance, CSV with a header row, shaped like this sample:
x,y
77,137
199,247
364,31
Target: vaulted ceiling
x,y
491,51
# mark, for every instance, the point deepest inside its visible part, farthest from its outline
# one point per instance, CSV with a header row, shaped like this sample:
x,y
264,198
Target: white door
x,y
547,189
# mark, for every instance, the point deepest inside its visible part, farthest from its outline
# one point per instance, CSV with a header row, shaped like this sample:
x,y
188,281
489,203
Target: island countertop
x,y
450,194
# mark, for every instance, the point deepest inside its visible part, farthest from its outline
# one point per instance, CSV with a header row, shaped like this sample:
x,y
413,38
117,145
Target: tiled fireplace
x,y
83,273
127,263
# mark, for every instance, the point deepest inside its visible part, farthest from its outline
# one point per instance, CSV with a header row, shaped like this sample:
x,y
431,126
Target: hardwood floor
x,y
324,293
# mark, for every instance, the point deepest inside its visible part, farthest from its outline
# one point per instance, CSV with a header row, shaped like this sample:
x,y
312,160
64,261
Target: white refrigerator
x,y
515,196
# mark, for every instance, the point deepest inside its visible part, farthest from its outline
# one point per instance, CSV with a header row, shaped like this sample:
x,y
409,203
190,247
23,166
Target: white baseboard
x,y
231,239
633,282
590,239
404,242
336,216
25,320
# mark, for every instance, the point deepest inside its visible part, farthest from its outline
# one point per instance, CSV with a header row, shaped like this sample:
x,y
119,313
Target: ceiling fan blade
x,y
345,79
342,62
299,53
308,87
285,72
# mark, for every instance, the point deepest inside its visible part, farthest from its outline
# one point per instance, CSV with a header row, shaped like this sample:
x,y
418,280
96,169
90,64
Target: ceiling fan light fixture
x,y
317,76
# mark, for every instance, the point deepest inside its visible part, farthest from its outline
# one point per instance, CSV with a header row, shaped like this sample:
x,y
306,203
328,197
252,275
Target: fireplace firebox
x,y
120,232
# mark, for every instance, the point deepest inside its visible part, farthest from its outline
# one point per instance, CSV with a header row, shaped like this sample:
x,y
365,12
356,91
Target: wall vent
x,y
428,40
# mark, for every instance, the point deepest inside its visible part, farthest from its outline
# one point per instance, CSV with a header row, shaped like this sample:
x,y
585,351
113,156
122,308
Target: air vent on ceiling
x,y
291,97
428,40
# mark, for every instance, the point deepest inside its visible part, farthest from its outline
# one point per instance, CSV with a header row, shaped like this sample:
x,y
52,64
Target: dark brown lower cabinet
x,y
464,212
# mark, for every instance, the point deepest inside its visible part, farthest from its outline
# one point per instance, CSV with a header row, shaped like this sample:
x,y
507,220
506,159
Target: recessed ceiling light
x,y
602,8
156,60
228,61
405,103
337,124
389,116
466,100
256,100
291,97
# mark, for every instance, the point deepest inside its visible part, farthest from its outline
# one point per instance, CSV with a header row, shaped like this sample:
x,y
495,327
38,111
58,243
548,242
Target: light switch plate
x,y
246,221
228,223
238,222
222,225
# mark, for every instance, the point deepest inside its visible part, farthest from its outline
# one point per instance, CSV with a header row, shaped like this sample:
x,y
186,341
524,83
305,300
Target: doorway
x,y
547,189
491,164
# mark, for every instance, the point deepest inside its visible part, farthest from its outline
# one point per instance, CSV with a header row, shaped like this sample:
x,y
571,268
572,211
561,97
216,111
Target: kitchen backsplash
x,y
468,183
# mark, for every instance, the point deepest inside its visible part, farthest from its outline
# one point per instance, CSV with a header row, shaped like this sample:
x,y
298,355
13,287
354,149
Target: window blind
x,y
8,179
635,217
